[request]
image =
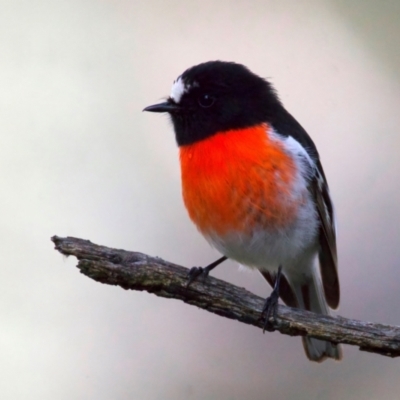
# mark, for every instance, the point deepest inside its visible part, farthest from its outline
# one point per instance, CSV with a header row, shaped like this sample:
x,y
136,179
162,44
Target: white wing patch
x,y
305,164
294,147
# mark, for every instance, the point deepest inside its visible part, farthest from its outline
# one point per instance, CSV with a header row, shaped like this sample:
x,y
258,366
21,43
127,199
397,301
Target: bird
x,y
254,186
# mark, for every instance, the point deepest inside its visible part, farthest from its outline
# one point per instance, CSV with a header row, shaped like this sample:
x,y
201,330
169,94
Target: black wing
x,y
285,124
327,237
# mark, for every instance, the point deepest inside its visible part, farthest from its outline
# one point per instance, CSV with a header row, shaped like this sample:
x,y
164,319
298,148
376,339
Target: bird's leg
x,y
271,304
195,272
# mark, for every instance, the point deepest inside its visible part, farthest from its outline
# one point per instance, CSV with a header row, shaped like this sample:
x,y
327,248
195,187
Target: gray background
x,y
79,158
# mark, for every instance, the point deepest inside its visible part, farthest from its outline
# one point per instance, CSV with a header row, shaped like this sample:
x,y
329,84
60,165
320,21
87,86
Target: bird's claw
x,y
270,310
271,305
196,272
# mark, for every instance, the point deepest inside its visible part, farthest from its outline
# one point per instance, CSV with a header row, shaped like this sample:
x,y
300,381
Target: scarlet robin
x,y
253,184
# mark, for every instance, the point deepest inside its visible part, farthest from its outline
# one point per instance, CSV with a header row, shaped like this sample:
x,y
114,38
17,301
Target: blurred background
x,y
79,158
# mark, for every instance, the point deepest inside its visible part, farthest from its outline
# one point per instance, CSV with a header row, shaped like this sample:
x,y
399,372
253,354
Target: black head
x,y
217,96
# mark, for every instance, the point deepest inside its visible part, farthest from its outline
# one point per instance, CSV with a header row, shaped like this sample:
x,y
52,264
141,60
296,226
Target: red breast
x,y
237,180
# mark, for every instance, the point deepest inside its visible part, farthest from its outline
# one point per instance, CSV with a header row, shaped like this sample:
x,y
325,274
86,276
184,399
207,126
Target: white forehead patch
x,y
179,88
177,91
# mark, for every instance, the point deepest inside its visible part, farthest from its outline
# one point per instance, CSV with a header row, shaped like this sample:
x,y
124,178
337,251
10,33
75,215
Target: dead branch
x,y
137,271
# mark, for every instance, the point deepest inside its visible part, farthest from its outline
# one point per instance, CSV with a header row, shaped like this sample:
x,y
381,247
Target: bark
x,y
137,271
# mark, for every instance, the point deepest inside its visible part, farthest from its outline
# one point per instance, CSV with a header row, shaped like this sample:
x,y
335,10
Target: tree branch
x,y
137,271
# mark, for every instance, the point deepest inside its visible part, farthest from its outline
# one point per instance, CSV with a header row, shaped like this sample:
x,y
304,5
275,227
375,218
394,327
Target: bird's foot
x,y
195,273
271,305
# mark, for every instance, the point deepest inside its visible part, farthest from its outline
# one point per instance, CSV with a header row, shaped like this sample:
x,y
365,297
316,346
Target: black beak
x,y
168,106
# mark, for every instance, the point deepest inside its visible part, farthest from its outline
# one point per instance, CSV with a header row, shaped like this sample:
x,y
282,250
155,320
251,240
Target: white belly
x,y
266,249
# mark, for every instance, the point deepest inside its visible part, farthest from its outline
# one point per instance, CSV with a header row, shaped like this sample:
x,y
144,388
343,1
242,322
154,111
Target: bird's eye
x,y
205,100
